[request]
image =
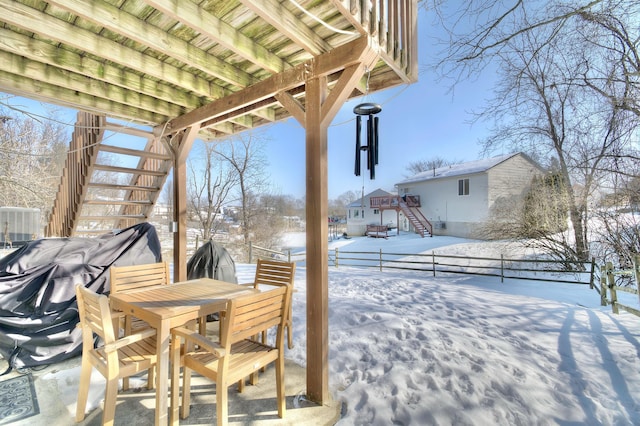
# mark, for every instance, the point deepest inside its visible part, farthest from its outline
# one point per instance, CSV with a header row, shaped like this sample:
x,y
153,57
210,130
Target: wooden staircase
x,y
105,187
417,219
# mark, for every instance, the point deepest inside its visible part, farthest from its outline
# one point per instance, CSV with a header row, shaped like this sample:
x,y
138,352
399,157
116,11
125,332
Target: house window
x,y
356,213
376,211
463,187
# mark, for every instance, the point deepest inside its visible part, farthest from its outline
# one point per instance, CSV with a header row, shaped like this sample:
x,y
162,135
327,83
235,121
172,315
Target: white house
x,y
360,213
457,199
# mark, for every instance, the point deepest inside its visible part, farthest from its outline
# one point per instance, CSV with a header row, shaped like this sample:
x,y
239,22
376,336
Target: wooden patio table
x,y
165,307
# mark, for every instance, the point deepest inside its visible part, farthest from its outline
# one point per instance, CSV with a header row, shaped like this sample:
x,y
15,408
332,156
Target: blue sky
x,y
418,121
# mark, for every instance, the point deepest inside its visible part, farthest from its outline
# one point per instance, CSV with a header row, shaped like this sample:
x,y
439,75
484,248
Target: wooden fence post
x,y
636,269
433,262
501,267
593,272
612,288
289,255
603,285
250,251
335,262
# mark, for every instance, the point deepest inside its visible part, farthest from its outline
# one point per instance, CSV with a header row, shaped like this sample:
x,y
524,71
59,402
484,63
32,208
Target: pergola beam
x,y
323,65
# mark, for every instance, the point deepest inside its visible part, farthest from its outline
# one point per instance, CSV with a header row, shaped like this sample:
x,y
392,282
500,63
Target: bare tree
x,y
245,155
424,165
32,153
618,223
542,107
566,88
480,30
209,188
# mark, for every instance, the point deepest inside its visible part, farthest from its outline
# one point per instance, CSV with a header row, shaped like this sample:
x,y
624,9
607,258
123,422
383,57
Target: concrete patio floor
x,y
56,387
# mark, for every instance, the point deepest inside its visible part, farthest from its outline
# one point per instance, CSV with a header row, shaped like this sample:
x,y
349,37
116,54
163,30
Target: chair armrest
x,y
132,338
198,339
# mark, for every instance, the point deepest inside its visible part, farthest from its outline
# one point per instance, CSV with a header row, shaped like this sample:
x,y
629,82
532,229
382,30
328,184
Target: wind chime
x,y
370,110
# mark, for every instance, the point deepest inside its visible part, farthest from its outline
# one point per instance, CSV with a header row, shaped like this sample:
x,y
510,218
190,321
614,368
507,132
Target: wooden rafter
x,y
223,33
275,14
113,19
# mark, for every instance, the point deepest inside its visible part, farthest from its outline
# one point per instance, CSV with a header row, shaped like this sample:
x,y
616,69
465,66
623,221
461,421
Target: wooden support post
x,y
315,115
317,244
180,146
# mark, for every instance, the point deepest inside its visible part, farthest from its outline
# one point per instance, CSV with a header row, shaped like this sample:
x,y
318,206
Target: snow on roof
x,y
468,168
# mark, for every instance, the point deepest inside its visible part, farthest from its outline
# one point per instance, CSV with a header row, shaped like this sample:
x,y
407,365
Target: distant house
x,y
360,213
457,199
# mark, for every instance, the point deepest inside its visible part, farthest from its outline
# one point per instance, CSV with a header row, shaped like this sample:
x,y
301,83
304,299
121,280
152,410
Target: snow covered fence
x,y
503,267
608,282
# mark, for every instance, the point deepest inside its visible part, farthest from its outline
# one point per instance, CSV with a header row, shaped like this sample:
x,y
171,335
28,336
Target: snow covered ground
x,y
410,349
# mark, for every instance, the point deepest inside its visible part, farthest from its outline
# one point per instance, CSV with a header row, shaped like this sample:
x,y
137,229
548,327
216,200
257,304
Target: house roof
x,y
377,193
462,169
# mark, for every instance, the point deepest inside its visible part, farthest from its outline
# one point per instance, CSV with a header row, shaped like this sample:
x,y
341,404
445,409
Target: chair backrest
x,y
250,315
127,278
274,273
95,316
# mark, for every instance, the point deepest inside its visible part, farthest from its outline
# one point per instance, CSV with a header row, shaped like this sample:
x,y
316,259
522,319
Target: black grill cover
x,y
38,310
212,260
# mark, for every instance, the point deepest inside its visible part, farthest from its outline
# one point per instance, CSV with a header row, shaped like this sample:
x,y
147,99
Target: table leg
x,y
162,373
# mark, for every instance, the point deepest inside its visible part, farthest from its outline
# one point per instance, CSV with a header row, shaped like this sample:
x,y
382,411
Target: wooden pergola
x,y
206,69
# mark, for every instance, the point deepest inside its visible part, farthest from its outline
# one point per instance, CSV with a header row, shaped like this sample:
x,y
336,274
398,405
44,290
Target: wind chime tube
x,y
370,110
375,137
357,163
371,149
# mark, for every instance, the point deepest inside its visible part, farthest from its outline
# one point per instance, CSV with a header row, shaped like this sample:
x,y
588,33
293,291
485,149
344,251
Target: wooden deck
x,y
179,71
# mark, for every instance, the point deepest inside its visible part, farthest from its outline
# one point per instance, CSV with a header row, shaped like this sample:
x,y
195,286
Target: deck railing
x,y
393,201
76,175
393,24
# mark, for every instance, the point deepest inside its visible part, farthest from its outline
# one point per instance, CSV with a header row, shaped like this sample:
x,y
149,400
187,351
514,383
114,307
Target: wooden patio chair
x,y
114,358
137,277
237,355
132,278
276,273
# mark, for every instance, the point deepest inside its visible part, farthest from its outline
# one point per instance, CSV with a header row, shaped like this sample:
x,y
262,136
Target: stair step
x,y
124,187
112,217
93,231
134,152
128,170
118,202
